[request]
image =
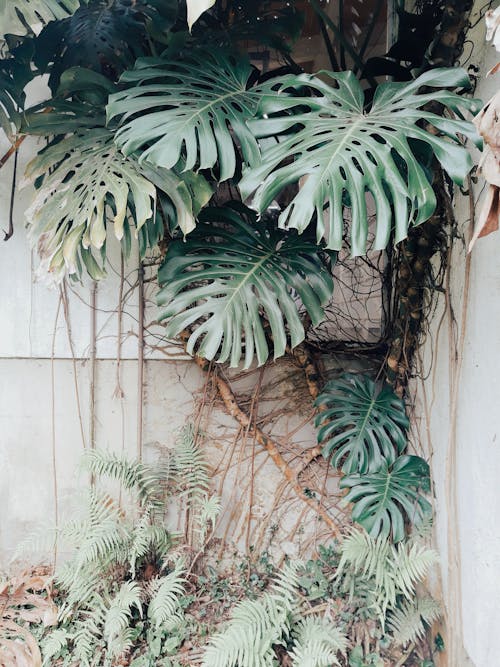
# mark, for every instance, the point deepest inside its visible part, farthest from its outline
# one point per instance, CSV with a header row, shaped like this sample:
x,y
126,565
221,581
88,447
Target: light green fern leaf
x,y
256,626
317,641
53,644
408,623
135,476
166,594
119,614
208,512
191,468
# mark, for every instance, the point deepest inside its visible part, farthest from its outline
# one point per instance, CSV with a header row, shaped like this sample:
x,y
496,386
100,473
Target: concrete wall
x,y
457,419
46,406
55,400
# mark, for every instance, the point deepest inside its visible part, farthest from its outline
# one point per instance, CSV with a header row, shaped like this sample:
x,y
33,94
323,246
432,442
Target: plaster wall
x,y
457,419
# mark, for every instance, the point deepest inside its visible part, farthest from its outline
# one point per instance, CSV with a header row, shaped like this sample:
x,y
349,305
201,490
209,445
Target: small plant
x,y
125,582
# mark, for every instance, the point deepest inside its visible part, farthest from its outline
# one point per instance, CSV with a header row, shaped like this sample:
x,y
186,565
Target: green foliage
x,y
104,36
234,277
344,151
317,641
409,622
86,180
385,498
16,16
361,425
190,111
388,571
123,581
257,626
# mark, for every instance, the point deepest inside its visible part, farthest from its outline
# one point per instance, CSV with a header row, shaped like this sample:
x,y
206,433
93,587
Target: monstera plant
x,y
145,125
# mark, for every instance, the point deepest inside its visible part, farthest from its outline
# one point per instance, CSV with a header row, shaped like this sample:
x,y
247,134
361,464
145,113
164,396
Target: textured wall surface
x,y
458,423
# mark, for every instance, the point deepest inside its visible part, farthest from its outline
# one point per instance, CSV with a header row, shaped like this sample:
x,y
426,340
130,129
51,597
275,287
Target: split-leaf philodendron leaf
x,y
85,177
361,425
32,11
191,110
383,499
232,277
341,152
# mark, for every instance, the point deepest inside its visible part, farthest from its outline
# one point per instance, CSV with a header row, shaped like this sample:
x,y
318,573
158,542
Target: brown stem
x,y
269,444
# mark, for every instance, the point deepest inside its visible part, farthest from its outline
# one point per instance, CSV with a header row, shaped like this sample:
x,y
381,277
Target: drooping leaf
x,y
195,109
231,276
16,14
104,36
195,9
11,98
383,499
362,425
342,152
87,181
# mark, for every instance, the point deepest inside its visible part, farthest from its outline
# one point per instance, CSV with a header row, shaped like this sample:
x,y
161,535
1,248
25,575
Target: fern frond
x,y
166,595
119,614
148,537
191,469
87,640
316,643
389,570
256,626
209,510
408,623
412,563
135,476
55,642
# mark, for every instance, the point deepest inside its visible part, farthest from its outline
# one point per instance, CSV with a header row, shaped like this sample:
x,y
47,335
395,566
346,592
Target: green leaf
x,y
32,12
363,425
102,35
86,182
344,152
383,499
230,276
194,108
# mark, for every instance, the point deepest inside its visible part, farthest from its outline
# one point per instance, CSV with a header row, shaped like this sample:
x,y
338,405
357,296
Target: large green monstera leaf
x,y
86,180
103,35
361,425
191,110
233,276
341,152
383,499
32,12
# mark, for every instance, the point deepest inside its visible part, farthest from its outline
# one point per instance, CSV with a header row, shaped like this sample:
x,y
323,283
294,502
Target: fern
x,y
166,593
256,626
210,508
190,466
316,643
54,644
408,623
146,538
134,476
389,570
119,614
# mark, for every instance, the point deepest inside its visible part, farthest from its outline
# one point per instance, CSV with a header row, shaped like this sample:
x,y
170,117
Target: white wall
x,y
458,417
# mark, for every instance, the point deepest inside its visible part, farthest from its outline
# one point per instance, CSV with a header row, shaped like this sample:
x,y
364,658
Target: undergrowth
x,y
135,593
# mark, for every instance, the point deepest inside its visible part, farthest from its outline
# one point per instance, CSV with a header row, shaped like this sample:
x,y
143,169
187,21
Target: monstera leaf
x,y
195,108
383,499
14,75
84,178
341,152
231,277
15,14
102,35
363,425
